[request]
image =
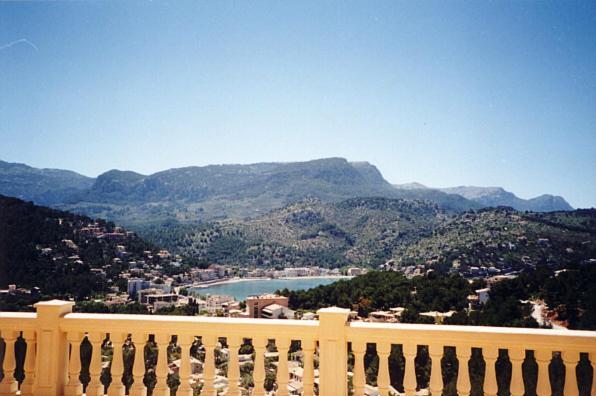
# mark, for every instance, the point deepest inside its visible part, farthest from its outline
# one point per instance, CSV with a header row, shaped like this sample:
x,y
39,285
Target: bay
x,y
242,289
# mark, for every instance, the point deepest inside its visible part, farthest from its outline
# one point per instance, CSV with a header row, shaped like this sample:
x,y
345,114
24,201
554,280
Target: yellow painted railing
x,y
53,337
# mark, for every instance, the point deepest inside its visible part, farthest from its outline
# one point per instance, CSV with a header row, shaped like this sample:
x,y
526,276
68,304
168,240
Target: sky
x,y
448,93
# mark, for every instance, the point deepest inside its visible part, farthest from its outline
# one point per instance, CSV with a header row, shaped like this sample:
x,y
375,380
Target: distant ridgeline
x,y
61,253
217,192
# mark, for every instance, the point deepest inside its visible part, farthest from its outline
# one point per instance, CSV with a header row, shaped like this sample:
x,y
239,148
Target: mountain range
x,y
497,196
217,192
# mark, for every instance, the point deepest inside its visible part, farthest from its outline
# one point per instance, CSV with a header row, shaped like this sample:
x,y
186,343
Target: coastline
x,y
238,280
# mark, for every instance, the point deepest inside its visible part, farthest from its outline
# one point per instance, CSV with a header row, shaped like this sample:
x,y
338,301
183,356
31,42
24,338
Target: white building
x,y
274,311
354,271
218,302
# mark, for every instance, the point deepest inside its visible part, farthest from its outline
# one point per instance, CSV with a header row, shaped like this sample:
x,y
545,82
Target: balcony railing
x,y
52,364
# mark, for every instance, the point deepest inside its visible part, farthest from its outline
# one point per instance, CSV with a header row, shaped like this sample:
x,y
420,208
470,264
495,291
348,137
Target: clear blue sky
x,y
443,93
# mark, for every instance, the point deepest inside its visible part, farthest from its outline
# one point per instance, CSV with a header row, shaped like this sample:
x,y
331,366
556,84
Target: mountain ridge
x,y
498,196
215,192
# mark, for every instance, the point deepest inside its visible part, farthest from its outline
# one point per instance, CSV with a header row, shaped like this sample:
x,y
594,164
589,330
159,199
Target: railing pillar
x,y
161,371
233,366
436,375
27,385
543,358
209,343
74,387
283,345
463,353
570,359
51,368
409,351
138,368
9,386
333,354
359,377
117,388
490,355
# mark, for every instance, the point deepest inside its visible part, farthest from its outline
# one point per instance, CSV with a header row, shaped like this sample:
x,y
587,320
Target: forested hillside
x,y
373,231
504,238
54,250
569,294
366,231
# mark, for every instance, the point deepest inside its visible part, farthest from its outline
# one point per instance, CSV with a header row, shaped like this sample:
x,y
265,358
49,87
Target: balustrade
x,y
53,360
489,340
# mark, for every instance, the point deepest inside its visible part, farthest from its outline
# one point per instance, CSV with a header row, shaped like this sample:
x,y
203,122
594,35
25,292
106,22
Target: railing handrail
x,y
192,325
18,315
18,321
474,329
423,334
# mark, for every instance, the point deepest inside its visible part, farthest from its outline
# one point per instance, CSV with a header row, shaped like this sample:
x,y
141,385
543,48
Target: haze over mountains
x,y
213,192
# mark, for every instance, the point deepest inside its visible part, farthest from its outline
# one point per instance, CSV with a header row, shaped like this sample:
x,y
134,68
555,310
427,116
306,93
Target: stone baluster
x,y
233,366
259,344
73,387
359,378
308,378
95,387
410,370
117,388
9,385
490,355
185,342
383,381
436,377
463,375
543,359
138,367
209,343
161,370
516,356
570,359
383,350
27,385
283,376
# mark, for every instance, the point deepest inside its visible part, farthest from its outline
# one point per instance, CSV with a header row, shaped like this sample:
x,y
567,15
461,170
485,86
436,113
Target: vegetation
x,y
504,238
570,294
372,231
45,248
310,232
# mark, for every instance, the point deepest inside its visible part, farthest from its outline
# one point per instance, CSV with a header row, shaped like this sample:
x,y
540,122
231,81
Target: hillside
x,y
61,253
506,240
310,232
371,231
